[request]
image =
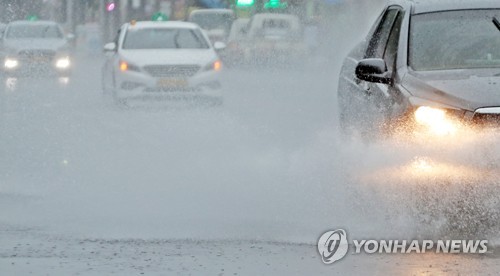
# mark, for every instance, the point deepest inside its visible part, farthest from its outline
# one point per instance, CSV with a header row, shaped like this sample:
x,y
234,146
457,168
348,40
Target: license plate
x,y
174,83
40,59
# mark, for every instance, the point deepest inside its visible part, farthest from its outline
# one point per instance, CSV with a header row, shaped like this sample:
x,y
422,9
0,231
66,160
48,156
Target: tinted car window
x,y
378,42
150,38
276,27
33,31
455,40
393,42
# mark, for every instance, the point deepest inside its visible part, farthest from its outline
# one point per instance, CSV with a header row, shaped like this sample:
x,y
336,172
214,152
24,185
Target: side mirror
x,y
218,45
373,70
110,47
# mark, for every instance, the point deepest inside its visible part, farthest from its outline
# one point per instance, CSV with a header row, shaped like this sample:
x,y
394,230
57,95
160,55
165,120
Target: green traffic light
x,y
32,17
159,16
245,3
275,4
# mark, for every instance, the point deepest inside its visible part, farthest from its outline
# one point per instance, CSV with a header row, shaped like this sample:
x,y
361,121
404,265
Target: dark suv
x,y
425,65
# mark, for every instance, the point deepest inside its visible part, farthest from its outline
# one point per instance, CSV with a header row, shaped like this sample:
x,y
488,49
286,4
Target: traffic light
x,y
245,3
32,17
275,4
159,16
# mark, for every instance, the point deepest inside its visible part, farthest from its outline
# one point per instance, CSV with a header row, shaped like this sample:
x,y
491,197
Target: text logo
x,y
333,246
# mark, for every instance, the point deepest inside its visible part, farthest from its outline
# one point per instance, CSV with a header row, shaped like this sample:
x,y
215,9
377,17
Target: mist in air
x,y
267,165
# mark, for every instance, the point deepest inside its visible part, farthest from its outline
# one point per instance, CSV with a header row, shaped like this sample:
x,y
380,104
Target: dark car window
x,y
378,41
278,28
33,31
455,40
392,43
164,38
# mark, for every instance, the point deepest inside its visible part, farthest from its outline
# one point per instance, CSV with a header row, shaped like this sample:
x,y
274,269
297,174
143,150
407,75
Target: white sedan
x,y
173,60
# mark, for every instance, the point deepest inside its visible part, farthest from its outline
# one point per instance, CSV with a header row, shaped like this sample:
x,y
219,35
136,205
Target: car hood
x,y
18,45
175,56
462,89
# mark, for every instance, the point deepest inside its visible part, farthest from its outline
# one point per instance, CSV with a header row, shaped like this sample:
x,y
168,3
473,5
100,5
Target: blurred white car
x,y
35,48
216,22
172,60
234,53
275,38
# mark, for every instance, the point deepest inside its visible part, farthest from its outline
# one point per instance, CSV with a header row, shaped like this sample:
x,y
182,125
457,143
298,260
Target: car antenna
x,y
496,22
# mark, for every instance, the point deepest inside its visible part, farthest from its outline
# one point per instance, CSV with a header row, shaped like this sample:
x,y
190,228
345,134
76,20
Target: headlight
x,y
436,120
125,66
11,63
216,66
63,63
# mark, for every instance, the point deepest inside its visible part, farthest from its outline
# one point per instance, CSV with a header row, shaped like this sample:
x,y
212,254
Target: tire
x,y
117,100
216,102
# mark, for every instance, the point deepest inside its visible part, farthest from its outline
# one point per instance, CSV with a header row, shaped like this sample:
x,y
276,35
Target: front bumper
x,y
133,84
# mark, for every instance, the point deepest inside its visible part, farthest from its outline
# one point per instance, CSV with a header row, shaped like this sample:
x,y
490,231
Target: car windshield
x,y
164,38
276,27
211,21
238,30
34,31
455,40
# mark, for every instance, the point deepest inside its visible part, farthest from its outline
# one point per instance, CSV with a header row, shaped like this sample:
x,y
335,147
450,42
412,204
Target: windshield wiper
x,y
496,22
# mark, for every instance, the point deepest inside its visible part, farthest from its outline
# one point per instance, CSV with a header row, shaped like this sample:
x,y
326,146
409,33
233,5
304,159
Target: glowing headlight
x,y
216,66
435,119
428,115
10,63
125,66
63,63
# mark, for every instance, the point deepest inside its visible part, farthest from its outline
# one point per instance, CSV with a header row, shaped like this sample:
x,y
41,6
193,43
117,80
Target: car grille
x,y
172,70
42,55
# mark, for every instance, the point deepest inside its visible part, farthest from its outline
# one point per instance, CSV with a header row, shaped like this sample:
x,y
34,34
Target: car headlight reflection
x,y
435,120
11,63
63,63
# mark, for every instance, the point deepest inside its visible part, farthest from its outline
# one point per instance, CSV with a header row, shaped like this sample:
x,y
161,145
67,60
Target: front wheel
x,y
218,101
117,100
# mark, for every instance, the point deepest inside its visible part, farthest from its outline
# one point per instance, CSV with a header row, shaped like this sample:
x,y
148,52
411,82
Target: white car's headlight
x,y
11,63
63,63
436,120
125,66
215,65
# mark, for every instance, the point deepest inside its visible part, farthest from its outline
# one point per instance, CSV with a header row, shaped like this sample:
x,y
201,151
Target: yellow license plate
x,y
176,83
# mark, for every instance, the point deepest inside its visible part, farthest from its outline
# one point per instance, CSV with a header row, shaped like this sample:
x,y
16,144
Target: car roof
x,y
163,24
428,6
